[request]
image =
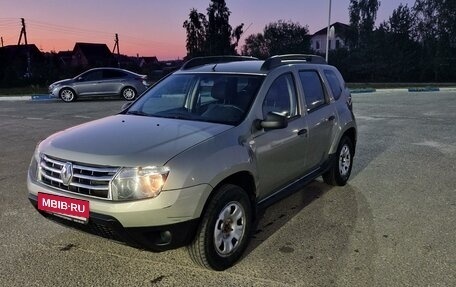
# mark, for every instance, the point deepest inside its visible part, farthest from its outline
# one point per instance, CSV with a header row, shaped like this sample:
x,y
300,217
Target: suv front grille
x,y
85,179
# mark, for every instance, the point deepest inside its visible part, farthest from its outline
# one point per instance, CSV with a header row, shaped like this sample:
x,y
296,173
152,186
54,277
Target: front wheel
x,y
128,93
224,231
341,166
67,95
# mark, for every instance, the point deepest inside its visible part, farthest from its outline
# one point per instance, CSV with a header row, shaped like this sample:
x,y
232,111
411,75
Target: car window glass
x,y
313,89
112,74
333,83
92,76
200,97
281,97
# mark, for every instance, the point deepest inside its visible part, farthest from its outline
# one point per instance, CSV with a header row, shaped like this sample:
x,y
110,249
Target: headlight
x,y
34,166
138,183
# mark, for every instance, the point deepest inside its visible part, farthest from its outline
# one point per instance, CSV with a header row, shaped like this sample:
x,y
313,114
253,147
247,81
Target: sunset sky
x,y
153,28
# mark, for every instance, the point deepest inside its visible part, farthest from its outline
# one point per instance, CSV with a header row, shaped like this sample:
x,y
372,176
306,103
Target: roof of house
x,y
93,51
13,51
340,29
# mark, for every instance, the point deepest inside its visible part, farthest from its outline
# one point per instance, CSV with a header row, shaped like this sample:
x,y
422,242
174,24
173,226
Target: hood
x,y
62,82
128,140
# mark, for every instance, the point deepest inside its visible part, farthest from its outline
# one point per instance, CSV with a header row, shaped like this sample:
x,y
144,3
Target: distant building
x,y
337,38
65,58
92,55
21,59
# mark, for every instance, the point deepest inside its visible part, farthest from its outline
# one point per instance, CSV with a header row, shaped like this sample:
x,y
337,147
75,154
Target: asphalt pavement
x,y
394,224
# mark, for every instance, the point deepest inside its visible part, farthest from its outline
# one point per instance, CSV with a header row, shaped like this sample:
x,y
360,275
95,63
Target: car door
x,y
87,83
279,152
321,118
112,82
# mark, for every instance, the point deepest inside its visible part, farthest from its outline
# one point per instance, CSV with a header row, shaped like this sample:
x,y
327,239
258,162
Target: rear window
x,y
313,89
112,74
334,83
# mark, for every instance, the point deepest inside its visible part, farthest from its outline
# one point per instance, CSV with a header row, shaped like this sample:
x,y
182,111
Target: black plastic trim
x,y
153,238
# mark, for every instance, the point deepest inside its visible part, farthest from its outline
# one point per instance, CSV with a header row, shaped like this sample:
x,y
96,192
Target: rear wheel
x,y
224,231
341,167
128,93
67,95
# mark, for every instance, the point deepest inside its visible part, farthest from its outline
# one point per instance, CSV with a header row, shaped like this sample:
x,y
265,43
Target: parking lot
x,y
394,224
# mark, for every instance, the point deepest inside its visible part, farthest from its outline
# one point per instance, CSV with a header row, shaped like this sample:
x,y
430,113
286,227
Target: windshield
x,y
218,98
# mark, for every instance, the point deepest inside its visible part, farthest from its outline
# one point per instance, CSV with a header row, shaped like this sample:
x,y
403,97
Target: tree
x,y
362,15
282,37
255,45
212,35
436,32
196,33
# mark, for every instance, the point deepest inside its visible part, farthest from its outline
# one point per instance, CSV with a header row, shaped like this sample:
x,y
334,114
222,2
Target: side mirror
x,y
272,121
79,79
126,106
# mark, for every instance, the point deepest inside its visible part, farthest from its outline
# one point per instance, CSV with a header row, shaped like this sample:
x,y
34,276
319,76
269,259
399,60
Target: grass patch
x,y
398,85
32,90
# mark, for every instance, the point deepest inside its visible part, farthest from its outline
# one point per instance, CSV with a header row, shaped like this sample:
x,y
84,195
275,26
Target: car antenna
x,y
213,68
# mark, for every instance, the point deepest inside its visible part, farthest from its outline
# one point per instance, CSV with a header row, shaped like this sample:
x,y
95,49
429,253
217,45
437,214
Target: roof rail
x,y
200,61
280,60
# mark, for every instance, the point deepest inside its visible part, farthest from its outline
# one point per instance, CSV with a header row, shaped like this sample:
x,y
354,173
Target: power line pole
x,y
328,32
116,46
23,32
1,39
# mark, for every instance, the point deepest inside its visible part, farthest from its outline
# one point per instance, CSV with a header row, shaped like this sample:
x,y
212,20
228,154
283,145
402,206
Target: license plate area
x,y
64,207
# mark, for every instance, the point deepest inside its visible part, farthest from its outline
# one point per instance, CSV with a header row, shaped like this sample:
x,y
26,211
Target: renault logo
x,y
66,173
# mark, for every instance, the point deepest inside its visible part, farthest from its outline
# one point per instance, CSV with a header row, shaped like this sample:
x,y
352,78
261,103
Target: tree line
x,y
415,44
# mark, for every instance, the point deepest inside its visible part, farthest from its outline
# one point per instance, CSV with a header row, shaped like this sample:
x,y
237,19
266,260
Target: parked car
x,y
194,158
100,82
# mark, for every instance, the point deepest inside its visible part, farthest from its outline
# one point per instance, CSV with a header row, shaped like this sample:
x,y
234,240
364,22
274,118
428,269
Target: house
x,y
65,58
21,59
337,38
87,55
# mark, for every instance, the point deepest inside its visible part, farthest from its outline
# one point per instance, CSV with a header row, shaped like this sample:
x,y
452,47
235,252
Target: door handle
x,y
302,132
331,118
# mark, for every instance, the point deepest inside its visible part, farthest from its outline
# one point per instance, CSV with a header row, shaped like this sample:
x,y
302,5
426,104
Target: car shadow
x,y
272,218
325,232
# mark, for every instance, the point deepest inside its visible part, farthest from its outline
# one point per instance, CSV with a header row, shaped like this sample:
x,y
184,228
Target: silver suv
x,y
195,157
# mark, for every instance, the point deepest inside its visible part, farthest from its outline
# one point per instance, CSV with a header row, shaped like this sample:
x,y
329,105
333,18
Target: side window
x,y
313,89
333,83
92,76
112,74
281,97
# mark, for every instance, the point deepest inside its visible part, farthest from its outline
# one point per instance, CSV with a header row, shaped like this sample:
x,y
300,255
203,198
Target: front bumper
x,y
154,238
165,222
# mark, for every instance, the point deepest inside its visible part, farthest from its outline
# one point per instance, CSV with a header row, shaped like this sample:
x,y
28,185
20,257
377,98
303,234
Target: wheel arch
x,y
352,135
243,179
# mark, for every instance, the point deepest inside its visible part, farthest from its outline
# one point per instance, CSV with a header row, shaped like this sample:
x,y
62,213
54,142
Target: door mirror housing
x,y
272,121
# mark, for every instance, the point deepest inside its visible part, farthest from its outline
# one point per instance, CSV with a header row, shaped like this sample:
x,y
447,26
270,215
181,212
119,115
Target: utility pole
x,y
116,47
327,32
1,39
28,73
23,32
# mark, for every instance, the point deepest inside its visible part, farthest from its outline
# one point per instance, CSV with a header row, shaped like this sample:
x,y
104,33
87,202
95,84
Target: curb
x,y
42,97
362,91
424,89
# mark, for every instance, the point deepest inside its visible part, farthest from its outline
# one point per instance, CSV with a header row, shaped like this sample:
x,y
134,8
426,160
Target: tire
x,y
341,166
217,244
128,93
67,95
